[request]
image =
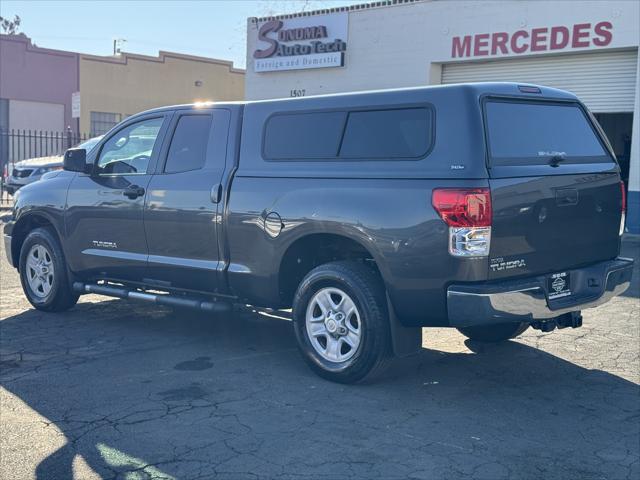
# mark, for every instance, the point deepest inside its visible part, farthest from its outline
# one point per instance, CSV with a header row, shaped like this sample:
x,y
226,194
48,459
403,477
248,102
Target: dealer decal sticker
x,y
499,264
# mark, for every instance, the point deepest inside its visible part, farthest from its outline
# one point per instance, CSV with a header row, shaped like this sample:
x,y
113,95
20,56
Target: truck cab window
x,y
129,150
188,149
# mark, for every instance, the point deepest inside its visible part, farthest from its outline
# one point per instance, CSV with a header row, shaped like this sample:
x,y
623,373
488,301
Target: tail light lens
x,y
623,209
463,207
468,213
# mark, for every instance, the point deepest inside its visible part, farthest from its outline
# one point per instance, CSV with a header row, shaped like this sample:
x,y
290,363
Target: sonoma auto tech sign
x,y
301,43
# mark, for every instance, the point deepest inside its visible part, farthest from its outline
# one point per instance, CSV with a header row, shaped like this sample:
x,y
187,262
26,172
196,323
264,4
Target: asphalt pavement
x,y
123,390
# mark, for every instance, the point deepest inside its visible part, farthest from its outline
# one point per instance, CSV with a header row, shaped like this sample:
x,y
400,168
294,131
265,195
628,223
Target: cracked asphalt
x,y
122,390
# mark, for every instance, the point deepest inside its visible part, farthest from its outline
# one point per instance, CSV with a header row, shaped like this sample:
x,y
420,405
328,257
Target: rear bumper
x,y
525,300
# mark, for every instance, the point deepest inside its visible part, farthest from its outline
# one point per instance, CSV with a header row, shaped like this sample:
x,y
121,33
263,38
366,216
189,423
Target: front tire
x,y
341,322
499,332
43,273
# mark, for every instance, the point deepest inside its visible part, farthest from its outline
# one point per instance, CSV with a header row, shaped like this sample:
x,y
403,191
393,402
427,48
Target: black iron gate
x,y
17,145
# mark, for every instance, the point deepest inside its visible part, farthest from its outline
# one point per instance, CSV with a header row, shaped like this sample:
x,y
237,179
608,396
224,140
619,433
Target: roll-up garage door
x,y
604,81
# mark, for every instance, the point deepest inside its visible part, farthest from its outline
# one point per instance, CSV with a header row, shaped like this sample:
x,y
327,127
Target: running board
x,y
164,299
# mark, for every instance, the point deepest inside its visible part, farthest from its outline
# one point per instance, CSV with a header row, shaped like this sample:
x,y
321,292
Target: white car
x,y
32,169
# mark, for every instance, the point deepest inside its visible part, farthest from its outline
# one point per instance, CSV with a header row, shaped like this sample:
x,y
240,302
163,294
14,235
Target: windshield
x,y
89,144
527,133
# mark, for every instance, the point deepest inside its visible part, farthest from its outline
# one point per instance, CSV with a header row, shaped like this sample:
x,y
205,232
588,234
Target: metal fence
x,y
16,145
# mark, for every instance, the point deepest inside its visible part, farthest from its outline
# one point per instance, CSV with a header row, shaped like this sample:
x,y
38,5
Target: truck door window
x,y
129,151
188,150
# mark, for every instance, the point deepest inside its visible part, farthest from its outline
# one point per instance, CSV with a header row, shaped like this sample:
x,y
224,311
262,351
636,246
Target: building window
x,y
102,122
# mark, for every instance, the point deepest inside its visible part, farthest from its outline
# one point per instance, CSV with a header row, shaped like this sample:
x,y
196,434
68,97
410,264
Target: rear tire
x,y
496,333
43,272
341,322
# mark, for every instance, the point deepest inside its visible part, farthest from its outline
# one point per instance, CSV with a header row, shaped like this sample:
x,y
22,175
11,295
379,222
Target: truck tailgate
x,y
555,188
553,223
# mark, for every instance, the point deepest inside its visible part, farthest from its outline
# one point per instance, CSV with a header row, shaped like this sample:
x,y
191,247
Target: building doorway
x,y
618,128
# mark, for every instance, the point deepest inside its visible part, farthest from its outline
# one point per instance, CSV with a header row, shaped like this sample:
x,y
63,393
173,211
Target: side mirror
x,y
75,160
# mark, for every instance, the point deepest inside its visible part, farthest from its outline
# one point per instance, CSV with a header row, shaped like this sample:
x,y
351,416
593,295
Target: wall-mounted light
x,y
198,83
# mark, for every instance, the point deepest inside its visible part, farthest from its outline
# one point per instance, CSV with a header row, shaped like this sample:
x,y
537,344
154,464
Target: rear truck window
x,y
398,133
527,133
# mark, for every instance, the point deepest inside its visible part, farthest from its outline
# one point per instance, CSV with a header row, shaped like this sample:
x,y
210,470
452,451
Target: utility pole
x,y
117,45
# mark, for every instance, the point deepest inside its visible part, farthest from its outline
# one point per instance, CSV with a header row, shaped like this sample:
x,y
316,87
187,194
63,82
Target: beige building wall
x,y
129,83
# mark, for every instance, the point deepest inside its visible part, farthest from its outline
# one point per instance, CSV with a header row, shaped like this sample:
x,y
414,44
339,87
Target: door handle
x,y
133,191
216,193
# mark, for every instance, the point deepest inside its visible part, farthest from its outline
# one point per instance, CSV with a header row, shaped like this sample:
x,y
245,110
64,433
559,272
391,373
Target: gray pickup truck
x,y
486,207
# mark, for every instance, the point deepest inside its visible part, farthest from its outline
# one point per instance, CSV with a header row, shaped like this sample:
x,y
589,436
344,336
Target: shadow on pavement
x,y
147,392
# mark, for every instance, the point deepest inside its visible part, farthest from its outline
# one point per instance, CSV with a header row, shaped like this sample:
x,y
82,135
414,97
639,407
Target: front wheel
x,y
341,321
496,333
43,272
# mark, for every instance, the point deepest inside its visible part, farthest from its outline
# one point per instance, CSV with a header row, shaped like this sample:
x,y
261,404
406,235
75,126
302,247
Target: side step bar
x,y
167,299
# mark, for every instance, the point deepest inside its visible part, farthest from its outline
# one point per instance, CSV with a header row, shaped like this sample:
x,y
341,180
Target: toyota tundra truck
x,y
490,208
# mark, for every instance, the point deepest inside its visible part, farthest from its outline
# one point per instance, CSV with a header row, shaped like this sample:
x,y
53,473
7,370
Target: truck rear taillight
x,y
623,209
463,207
468,213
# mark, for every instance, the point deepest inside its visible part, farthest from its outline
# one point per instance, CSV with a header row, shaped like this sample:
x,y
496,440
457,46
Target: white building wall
x,y
395,46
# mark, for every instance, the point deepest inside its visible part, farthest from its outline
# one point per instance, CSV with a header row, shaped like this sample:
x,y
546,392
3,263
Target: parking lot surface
x,y
115,389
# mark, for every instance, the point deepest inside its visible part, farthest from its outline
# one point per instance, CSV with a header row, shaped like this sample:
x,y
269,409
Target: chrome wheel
x,y
333,325
40,272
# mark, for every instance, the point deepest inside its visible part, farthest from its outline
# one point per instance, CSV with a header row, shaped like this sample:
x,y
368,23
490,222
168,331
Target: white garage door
x,y
26,115
604,81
